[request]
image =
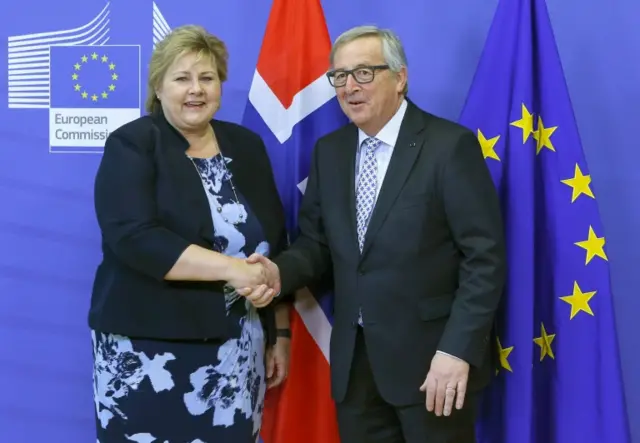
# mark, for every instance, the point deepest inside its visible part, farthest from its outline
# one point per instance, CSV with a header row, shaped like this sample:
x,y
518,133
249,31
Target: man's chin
x,y
358,118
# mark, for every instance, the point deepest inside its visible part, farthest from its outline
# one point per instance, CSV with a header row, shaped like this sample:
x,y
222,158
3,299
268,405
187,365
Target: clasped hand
x,y
257,278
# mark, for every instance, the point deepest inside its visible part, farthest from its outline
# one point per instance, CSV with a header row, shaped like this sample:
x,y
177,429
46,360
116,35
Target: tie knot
x,y
371,143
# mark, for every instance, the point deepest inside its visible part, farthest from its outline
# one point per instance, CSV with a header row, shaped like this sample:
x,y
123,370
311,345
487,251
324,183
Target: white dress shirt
x,y
388,135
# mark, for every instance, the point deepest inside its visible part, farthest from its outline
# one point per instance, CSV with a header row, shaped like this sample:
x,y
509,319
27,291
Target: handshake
x,y
257,278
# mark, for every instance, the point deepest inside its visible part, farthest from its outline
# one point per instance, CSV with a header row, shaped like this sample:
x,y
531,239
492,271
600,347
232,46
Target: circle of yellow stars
x,y
77,68
578,300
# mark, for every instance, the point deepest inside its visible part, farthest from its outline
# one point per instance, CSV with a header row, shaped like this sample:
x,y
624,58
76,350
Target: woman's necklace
x,y
227,174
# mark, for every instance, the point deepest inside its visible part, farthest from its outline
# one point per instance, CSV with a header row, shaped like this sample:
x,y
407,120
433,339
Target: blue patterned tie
x,y
367,186
366,192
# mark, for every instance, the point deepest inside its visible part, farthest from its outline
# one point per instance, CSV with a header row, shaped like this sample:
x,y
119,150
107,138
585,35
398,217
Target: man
x,y
401,205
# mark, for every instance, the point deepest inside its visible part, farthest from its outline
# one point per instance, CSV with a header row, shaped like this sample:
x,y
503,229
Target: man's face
x,y
369,105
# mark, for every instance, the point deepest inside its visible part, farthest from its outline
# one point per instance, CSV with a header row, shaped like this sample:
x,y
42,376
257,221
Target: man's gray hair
x,y
392,49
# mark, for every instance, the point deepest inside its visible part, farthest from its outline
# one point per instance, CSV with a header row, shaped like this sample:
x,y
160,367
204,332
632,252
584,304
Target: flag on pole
x,y
291,104
559,377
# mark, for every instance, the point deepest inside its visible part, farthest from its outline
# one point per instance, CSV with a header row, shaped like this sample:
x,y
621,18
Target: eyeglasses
x,y
361,74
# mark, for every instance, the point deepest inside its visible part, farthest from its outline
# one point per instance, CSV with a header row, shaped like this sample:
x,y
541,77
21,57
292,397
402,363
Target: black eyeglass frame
x,y
352,72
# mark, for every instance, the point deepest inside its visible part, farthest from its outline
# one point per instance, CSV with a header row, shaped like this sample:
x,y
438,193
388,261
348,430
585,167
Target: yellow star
x,y
94,98
105,59
593,245
579,300
525,123
77,66
544,341
77,87
94,56
74,76
488,146
114,76
504,356
543,136
105,95
112,87
112,66
84,94
84,59
579,183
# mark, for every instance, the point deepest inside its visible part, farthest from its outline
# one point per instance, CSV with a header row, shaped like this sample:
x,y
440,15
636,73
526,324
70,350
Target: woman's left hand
x,y
278,362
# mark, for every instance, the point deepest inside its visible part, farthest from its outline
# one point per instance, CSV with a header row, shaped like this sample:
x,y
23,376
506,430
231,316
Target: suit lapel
x,y
405,152
246,175
345,176
186,174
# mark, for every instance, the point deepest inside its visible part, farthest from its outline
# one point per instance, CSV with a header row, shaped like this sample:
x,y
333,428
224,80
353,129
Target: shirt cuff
x,y
444,353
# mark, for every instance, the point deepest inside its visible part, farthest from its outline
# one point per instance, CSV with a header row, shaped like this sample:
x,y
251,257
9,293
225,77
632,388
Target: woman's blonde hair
x,y
183,40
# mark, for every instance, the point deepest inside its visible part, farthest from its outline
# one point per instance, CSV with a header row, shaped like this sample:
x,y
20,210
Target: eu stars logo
x,y
94,91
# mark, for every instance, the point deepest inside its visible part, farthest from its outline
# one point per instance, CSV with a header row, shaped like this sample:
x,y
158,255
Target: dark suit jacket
x,y
151,205
433,266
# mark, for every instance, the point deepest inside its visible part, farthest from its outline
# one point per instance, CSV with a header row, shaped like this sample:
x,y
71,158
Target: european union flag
x,y
559,376
95,76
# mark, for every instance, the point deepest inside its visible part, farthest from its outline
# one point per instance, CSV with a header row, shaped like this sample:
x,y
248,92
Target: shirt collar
x,y
389,133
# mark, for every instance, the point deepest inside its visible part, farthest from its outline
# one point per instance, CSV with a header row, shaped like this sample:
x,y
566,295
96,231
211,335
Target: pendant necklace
x,y
227,174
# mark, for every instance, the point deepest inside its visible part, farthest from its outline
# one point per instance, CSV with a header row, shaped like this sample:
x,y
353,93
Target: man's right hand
x,y
242,274
261,295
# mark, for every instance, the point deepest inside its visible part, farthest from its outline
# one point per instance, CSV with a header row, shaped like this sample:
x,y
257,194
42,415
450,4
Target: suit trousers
x,y
365,417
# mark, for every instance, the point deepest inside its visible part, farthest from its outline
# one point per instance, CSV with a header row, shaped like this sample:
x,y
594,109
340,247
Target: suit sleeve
x,y
473,212
308,257
125,205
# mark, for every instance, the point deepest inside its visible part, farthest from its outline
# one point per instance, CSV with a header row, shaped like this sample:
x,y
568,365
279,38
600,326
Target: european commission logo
x,y
94,91
90,88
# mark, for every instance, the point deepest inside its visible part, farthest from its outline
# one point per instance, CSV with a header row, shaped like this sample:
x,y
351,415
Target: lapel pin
x,y
412,144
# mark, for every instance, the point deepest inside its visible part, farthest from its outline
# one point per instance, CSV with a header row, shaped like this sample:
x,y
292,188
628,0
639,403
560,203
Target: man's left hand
x,y
446,382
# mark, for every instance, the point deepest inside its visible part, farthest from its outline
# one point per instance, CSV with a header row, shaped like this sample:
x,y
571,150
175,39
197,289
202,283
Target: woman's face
x,y
190,92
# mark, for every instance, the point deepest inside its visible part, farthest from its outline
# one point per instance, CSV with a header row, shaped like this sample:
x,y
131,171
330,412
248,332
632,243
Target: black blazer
x,y
433,266
150,205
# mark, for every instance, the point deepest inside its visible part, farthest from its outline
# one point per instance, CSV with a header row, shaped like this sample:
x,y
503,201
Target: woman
x,y
182,200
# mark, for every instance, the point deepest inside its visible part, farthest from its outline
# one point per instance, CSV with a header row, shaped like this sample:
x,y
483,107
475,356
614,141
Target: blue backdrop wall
x,y
48,238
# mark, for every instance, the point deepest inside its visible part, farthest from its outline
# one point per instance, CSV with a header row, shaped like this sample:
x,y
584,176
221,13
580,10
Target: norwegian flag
x,y
291,104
